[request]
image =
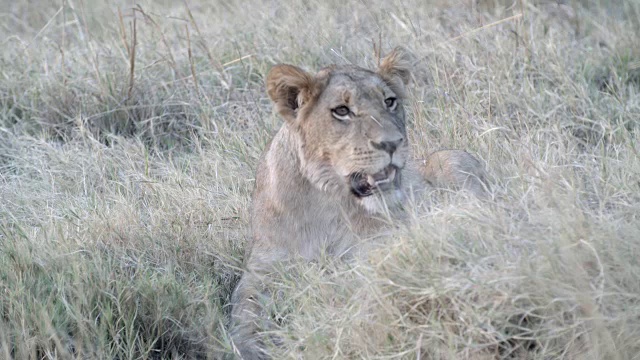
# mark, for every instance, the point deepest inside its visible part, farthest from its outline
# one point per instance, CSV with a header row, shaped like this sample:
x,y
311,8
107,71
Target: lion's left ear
x,y
396,66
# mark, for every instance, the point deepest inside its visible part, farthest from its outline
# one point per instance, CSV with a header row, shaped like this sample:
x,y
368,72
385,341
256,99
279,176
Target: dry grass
x,y
127,150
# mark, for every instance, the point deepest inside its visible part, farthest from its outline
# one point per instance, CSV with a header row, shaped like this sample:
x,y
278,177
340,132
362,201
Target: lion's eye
x,y
341,112
391,103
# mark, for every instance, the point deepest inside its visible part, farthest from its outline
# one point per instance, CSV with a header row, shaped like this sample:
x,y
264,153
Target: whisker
x,y
376,120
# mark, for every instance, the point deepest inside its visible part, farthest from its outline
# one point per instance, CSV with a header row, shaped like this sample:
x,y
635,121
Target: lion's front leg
x,y
252,301
246,316
455,169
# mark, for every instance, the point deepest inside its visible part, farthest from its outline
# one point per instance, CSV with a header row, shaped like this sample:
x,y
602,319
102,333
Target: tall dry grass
x,y
129,134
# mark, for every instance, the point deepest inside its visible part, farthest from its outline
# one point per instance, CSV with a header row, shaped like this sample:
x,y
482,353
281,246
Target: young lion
x,y
338,162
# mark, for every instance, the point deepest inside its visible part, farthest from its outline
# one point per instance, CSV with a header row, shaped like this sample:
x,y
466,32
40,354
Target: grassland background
x,y
127,151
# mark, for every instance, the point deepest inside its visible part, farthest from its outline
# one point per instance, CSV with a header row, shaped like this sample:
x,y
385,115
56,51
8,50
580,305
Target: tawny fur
x,y
455,169
303,205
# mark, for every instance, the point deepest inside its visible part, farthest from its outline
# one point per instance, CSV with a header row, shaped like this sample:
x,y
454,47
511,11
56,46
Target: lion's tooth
x,y
371,179
392,174
384,181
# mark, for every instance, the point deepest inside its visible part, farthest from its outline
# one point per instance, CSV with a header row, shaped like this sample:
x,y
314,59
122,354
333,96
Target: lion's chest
x,y
311,226
325,227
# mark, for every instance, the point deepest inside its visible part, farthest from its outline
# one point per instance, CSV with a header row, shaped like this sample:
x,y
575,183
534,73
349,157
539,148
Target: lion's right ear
x,y
289,87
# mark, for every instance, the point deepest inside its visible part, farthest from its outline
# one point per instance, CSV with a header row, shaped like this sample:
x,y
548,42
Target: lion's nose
x,y
388,146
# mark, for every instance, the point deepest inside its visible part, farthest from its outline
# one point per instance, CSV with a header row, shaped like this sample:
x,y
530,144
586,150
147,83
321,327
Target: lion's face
x,y
351,126
357,128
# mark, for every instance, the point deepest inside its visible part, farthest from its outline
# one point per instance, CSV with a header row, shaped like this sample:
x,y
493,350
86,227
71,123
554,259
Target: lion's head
x,y
351,125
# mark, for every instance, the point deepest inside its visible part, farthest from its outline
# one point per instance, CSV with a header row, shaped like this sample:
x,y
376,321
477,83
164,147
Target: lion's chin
x,y
383,202
379,192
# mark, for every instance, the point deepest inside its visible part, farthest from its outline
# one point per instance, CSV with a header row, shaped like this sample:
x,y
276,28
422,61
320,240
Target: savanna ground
x,y
129,133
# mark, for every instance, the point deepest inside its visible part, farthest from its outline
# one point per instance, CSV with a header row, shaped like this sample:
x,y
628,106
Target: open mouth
x,y
363,184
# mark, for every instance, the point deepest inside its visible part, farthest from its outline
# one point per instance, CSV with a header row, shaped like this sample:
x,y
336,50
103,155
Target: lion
x,y
337,170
